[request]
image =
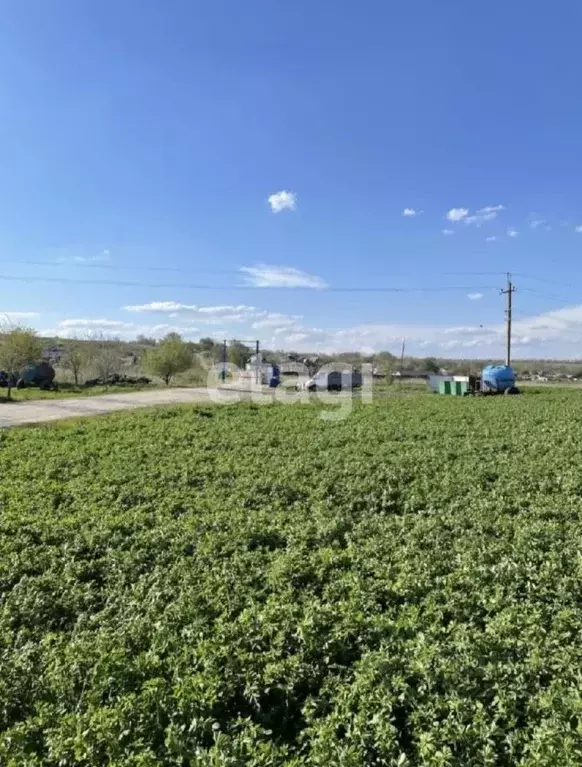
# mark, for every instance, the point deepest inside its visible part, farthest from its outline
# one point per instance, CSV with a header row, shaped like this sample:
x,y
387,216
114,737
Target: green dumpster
x,y
456,388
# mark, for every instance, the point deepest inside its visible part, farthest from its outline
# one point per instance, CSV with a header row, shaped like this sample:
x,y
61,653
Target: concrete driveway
x,y
37,411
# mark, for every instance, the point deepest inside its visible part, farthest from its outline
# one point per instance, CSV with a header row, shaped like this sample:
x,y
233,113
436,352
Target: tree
x,y
76,360
206,344
312,364
238,354
170,356
431,365
107,362
270,357
145,341
19,346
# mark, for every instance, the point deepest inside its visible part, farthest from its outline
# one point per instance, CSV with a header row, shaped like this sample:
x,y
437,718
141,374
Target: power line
x,y
196,270
542,279
114,267
225,288
551,296
178,269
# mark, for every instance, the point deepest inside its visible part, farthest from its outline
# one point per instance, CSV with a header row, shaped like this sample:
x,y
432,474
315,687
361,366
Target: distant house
x,y
292,368
53,353
411,374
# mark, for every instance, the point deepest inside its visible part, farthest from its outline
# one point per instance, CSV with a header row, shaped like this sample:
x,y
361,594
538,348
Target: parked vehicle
x,y
334,380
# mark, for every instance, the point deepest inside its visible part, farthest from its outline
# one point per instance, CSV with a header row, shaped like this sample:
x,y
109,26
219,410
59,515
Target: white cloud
x,y
205,315
160,306
218,315
447,232
126,331
467,330
173,307
411,212
456,214
282,200
226,309
295,338
102,257
264,276
480,218
8,316
512,233
578,228
556,333
101,324
535,221
493,238
489,213
276,320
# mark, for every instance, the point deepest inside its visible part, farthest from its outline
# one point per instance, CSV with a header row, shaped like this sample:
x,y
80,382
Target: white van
x,y
333,380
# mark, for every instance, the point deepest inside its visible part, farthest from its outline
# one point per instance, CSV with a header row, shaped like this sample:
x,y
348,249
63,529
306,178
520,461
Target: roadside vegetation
x,y
32,369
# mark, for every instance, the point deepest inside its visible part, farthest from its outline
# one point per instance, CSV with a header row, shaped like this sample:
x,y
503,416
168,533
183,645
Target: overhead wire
x,y
113,267
551,296
197,270
96,264
540,279
225,288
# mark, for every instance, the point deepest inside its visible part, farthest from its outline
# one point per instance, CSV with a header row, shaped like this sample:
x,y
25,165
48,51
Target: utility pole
x,y
508,292
402,355
224,360
258,368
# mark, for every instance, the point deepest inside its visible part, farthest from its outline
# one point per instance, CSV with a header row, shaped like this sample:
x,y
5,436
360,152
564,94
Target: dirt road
x,y
37,411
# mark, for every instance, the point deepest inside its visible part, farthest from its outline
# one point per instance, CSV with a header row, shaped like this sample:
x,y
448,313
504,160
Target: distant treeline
x,y
238,353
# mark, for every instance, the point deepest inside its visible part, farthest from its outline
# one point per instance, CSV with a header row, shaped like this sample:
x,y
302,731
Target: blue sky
x,y
267,152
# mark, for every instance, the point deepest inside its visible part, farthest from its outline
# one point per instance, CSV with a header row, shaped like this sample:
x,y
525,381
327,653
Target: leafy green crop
x,y
251,585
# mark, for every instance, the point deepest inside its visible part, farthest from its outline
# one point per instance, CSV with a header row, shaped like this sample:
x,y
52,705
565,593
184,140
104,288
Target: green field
x,y
252,585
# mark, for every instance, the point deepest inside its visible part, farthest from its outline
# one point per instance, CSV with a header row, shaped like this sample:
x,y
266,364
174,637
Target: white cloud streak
x,y
488,213
166,307
535,221
96,258
7,315
474,296
480,218
264,276
126,331
552,334
411,212
96,323
205,315
277,320
447,232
